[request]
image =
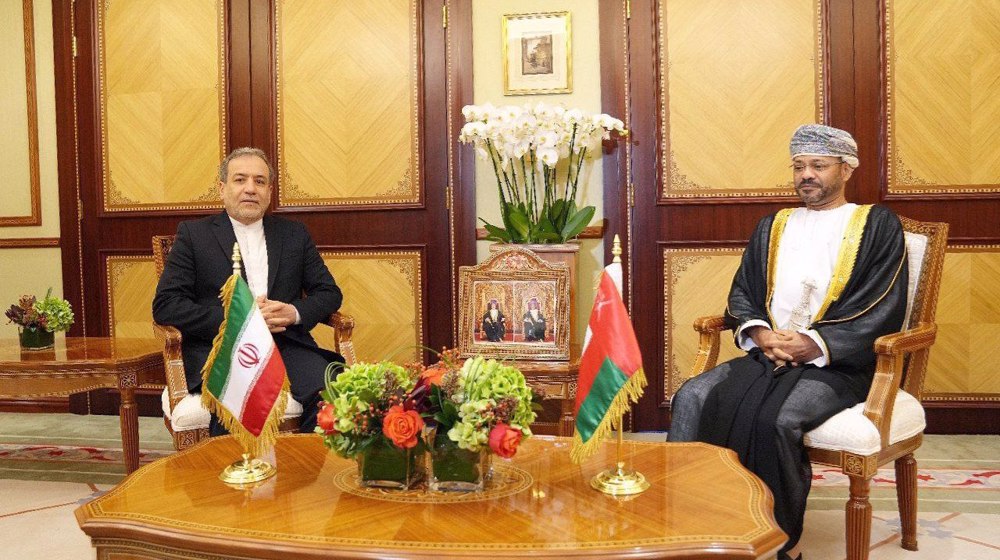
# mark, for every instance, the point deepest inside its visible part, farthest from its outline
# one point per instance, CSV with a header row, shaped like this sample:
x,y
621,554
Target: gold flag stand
x,y
247,470
617,481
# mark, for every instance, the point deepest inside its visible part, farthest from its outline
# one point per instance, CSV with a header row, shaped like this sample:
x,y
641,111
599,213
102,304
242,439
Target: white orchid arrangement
x,y
529,146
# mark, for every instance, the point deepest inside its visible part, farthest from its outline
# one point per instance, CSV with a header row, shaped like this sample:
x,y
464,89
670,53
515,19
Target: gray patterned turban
x,y
821,140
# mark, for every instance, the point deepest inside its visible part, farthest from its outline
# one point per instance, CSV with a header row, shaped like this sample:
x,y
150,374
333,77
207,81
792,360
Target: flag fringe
x,y
254,445
628,394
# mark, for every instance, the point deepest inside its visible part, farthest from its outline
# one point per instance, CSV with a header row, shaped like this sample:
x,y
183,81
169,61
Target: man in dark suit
x,y
293,286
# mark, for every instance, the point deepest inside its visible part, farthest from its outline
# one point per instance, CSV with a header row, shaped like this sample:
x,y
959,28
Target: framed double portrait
x,y
514,306
536,53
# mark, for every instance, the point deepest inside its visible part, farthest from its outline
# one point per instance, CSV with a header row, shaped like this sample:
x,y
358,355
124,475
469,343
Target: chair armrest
x,y
173,363
890,352
343,331
708,342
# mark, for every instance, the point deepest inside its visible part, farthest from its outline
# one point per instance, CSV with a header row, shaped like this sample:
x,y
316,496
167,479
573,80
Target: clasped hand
x,y
785,347
277,315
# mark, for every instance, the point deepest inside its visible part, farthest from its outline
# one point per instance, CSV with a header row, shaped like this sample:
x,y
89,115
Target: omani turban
x,y
820,140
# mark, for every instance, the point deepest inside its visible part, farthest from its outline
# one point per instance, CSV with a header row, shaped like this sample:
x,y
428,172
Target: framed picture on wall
x,y
514,306
536,53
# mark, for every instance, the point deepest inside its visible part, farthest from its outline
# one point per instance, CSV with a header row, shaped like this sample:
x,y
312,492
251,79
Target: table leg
x,y
129,418
567,422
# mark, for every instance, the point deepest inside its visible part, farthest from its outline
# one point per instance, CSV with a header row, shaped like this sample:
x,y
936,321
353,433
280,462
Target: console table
x,y
80,364
702,504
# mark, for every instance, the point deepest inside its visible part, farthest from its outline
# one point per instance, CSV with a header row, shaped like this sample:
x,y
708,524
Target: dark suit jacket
x,y
200,262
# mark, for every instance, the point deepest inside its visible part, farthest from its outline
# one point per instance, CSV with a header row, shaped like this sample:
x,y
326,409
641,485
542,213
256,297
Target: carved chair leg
x,y
859,519
906,495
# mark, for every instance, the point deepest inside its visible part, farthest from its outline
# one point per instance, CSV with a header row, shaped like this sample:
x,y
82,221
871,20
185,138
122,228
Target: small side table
x,y
80,364
555,380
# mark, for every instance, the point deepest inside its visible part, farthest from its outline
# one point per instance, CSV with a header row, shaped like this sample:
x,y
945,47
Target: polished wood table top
x,y
81,364
702,504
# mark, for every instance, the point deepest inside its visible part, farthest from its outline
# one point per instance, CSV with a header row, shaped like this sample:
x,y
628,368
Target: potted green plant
x,y
538,154
38,321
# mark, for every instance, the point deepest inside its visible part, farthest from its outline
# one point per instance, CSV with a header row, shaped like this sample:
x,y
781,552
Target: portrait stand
x,y
515,306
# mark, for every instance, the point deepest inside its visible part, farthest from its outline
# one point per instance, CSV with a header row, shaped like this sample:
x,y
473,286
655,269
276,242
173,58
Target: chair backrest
x,y
161,248
925,245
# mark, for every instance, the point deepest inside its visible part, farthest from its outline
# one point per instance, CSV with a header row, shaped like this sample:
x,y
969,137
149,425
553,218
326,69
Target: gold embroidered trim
x,y
895,277
845,260
777,229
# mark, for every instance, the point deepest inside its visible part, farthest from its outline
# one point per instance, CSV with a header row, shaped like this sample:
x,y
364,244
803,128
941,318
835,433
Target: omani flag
x,y
610,369
244,380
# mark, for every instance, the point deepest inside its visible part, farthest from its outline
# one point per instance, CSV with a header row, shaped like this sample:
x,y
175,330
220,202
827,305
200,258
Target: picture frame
x,y
537,54
514,306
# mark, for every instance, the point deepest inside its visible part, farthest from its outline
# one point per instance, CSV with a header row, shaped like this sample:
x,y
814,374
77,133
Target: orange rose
x,y
504,440
433,374
325,419
402,426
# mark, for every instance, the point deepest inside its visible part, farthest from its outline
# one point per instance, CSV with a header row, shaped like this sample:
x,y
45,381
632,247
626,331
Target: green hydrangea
x,y
352,393
489,392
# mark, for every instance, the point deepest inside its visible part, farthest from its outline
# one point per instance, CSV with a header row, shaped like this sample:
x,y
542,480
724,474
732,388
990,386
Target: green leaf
x,y
495,233
577,222
556,212
520,225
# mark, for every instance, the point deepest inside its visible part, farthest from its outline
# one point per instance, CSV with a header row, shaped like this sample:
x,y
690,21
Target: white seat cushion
x,y
190,415
851,431
916,249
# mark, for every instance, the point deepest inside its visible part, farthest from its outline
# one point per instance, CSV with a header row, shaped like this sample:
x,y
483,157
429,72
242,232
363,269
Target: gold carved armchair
x,y
186,419
889,425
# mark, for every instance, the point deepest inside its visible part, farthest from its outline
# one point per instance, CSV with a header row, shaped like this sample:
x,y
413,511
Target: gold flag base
x,y
619,482
247,471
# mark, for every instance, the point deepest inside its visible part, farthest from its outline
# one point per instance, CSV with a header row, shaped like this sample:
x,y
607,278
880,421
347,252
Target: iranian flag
x,y
611,374
244,381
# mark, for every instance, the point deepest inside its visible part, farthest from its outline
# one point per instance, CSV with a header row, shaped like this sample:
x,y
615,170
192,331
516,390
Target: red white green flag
x,y
244,380
611,375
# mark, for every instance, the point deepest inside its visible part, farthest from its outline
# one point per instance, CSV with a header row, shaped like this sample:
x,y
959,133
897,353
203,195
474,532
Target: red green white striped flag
x,y
611,375
244,381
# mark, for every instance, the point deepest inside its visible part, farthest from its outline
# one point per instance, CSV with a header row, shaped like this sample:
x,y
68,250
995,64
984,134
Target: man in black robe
x,y
816,286
534,322
494,323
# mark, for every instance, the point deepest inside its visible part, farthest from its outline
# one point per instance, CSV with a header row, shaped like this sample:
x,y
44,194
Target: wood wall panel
x,y
131,282
163,103
19,116
944,96
348,106
736,78
383,291
696,283
964,358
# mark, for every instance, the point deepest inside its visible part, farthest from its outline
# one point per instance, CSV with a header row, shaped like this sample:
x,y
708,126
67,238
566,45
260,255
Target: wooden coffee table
x,y
702,504
80,364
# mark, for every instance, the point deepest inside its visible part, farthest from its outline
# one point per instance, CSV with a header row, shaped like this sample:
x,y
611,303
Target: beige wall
x,y
586,95
33,270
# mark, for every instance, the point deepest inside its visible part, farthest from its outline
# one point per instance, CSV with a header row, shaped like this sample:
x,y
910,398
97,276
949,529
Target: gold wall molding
x,y
941,133
348,107
29,242
162,107
727,111
34,218
696,283
383,291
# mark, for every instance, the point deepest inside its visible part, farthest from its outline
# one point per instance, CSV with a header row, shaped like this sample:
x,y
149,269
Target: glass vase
x,y
383,465
454,469
36,339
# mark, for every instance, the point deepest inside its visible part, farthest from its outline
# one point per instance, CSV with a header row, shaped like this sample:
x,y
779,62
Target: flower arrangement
x,y
483,404
529,147
51,314
368,404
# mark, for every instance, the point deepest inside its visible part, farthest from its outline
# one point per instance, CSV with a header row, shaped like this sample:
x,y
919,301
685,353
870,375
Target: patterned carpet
x,y
52,463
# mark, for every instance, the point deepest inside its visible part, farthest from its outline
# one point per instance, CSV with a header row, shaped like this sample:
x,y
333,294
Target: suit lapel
x,y
223,229
273,241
